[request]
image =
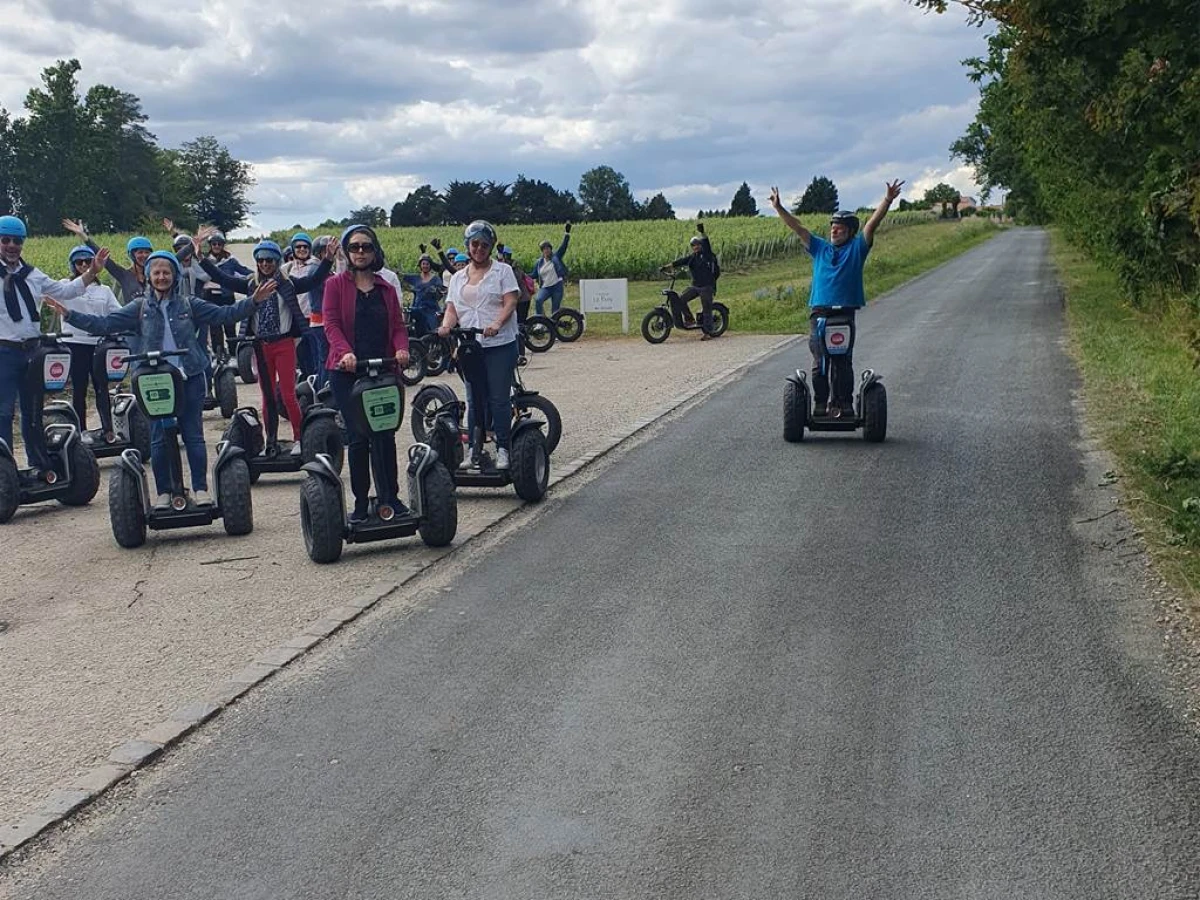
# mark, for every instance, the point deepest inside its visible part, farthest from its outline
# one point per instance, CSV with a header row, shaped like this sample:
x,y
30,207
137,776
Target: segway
x,y
157,388
73,476
836,334
130,425
377,408
225,384
672,312
529,460
319,433
569,324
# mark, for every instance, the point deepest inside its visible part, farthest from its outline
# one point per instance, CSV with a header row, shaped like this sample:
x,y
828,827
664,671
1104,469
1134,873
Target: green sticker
x,y
382,408
157,394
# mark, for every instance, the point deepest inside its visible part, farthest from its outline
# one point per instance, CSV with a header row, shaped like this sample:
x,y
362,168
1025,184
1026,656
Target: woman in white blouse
x,y
483,294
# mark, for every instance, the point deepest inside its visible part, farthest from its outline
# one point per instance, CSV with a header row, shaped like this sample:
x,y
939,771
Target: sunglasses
x,y
85,261
12,240
360,248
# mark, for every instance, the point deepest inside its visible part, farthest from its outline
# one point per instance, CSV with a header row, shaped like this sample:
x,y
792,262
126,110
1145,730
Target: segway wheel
x,y
139,432
85,477
246,366
414,372
426,406
656,326
874,403
233,489
536,403
437,355
322,435
568,325
530,465
226,390
440,521
10,489
720,319
540,334
795,412
320,519
305,396
126,510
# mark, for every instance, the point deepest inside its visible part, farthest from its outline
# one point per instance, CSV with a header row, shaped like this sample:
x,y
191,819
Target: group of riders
x,y
321,305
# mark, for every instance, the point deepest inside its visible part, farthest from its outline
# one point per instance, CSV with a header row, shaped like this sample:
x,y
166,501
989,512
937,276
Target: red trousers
x,y
277,365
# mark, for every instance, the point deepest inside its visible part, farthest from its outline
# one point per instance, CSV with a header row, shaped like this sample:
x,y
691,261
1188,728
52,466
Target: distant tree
x,y
743,202
947,196
821,196
464,200
497,203
606,196
218,184
375,216
657,207
424,206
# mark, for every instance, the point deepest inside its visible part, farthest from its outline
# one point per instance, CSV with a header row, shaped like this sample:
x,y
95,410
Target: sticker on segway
x,y
382,408
157,393
115,364
837,338
56,367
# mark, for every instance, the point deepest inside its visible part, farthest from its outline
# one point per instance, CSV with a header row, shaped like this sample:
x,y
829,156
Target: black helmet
x,y
378,262
847,218
481,231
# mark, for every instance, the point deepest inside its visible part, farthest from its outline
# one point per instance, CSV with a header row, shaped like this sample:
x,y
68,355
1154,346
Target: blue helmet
x,y
268,250
169,257
378,263
461,257
83,251
11,226
300,238
137,243
451,252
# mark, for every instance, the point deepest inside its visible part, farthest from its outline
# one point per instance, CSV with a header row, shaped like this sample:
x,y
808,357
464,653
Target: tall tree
x,y
606,196
218,183
8,183
375,216
424,206
743,202
657,207
821,196
464,201
947,196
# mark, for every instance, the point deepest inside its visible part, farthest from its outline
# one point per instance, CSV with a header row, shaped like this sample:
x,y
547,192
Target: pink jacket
x,y
340,298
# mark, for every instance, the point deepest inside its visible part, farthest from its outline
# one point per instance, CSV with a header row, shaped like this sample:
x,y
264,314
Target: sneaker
x,y
706,337
87,439
163,501
202,498
295,451
501,458
358,516
470,461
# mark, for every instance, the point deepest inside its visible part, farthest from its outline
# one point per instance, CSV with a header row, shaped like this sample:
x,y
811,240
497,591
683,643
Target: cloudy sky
x,y
362,102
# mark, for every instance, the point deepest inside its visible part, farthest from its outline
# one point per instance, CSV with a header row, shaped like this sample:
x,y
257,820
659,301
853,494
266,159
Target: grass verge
x,y
1143,401
772,298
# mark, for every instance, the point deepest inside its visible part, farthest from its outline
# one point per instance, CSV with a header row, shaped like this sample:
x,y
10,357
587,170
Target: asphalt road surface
x,y
733,668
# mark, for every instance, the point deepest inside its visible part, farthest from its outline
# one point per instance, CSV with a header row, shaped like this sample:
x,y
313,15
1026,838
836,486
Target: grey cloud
x,y
176,31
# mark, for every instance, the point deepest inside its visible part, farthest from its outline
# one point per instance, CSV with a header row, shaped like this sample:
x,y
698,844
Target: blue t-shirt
x,y
837,278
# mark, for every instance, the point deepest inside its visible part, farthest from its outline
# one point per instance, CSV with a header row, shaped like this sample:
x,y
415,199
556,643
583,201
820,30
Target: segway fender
x,y
131,461
799,378
317,412
525,422
65,409
121,404
420,458
6,451
322,467
227,451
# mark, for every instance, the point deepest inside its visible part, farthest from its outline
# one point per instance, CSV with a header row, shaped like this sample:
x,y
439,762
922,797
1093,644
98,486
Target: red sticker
x,y
837,338
56,370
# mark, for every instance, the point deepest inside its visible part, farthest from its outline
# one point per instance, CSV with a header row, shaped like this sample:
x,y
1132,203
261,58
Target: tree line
x,y
1088,117
92,158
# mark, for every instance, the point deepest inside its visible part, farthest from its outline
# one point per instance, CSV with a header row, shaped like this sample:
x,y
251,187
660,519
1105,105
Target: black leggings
x,y
82,370
358,448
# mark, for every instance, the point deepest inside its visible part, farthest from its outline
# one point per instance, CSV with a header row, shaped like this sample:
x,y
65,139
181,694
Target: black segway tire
x,y
795,412
437,355
428,402
656,326
225,388
320,519
246,366
569,325
720,319
413,373
440,521
322,435
305,397
126,510
874,411
530,464
85,477
540,334
10,489
237,504
57,417
139,432
538,403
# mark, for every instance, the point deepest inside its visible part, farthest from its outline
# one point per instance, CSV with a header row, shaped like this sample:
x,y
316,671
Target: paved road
x,y
735,667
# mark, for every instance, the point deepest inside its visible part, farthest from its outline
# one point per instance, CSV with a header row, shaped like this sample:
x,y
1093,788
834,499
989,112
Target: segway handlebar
x,y
363,366
49,337
152,355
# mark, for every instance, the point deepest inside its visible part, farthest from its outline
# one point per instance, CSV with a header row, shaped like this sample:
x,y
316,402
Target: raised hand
x,y
893,189
331,251
55,305
168,225
75,227
98,262
435,243
700,227
421,247
263,291
567,227
205,232
775,198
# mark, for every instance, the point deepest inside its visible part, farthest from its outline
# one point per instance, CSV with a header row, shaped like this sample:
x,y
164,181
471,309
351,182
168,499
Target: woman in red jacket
x,y
363,320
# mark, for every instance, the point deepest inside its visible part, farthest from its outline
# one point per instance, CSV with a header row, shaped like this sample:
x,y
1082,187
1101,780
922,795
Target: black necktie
x,y
15,282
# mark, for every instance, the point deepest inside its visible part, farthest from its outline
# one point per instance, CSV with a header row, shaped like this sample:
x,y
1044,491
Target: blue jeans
x,y
189,414
555,293
311,353
498,364
14,364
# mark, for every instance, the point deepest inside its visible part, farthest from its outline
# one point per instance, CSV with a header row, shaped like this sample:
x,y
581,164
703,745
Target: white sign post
x,y
606,295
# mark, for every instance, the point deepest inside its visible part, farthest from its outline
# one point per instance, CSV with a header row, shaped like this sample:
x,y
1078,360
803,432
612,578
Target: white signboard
x,y
605,295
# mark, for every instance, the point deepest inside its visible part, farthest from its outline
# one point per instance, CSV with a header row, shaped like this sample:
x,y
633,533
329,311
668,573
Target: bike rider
x,y
505,255
98,300
132,281
550,273
20,328
483,295
313,346
705,269
363,320
427,289
837,282
222,337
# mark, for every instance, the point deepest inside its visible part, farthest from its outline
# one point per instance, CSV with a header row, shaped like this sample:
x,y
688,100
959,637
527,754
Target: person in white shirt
x,y
97,300
21,325
483,294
